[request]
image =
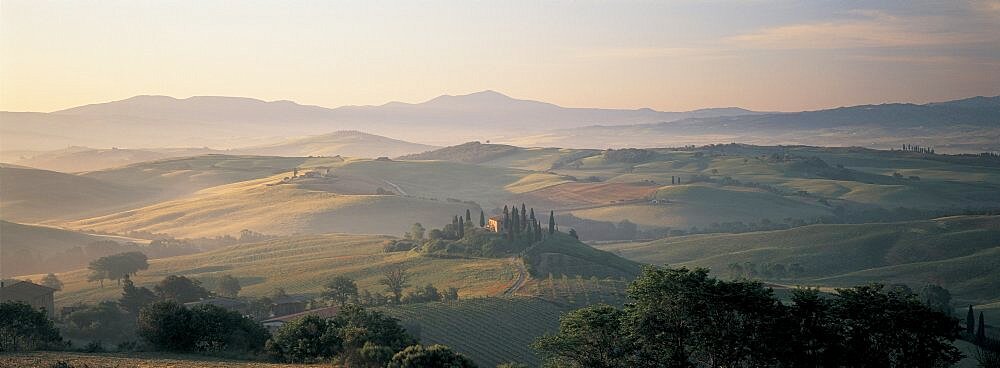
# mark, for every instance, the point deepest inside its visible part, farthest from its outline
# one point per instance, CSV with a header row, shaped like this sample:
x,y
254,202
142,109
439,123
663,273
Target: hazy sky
x,y
667,55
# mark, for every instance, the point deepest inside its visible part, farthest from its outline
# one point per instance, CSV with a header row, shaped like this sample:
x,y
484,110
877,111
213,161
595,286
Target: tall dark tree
x,y
516,226
135,298
468,216
341,289
981,332
589,337
482,219
461,227
970,321
524,219
552,222
394,280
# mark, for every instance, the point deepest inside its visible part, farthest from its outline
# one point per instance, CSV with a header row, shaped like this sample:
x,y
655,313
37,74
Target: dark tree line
x,y
683,318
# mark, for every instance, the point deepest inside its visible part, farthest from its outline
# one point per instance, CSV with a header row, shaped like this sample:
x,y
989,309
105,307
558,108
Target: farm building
x,y
494,224
273,324
29,293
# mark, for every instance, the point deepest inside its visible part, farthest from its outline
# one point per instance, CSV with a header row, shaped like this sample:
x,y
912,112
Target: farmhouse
x,y
494,224
37,296
273,324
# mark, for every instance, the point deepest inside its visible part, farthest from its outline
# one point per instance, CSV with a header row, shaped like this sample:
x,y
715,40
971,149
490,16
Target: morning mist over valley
x,y
499,184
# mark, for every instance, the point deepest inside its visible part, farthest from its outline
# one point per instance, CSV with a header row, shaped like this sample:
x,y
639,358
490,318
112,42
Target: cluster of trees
x,y
357,337
343,290
683,318
987,347
169,326
917,149
117,267
628,155
461,237
23,327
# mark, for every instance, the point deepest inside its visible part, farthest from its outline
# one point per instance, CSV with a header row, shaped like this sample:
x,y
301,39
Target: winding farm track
x,y
398,189
522,277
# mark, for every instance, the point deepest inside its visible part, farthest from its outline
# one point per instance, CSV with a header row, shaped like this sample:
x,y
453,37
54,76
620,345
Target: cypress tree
x,y
506,221
461,228
981,334
468,216
524,219
516,226
482,218
552,222
970,321
532,216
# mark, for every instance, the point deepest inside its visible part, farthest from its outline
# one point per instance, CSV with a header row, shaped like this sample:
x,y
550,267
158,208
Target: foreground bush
x,y
683,318
356,336
25,328
418,356
172,327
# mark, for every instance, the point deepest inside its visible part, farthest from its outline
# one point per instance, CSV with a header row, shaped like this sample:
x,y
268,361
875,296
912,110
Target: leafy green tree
x,y
909,334
180,289
417,231
813,331
135,298
341,289
52,281
106,322
418,356
593,336
306,339
228,286
369,337
394,279
166,326
25,328
937,298
117,266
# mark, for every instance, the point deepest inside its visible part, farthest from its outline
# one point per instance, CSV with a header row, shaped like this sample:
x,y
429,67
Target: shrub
x,y
25,328
418,356
171,326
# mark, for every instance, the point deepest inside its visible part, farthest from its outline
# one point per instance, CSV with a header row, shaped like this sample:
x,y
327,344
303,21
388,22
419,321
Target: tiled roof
x,y
26,288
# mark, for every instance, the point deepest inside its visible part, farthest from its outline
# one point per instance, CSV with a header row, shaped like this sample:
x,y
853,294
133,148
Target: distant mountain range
x,y
967,125
288,128
230,122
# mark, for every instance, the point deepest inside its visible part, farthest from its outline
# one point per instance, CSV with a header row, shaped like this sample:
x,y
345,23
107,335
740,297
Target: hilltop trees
x,y
228,286
116,267
341,289
394,279
180,289
683,318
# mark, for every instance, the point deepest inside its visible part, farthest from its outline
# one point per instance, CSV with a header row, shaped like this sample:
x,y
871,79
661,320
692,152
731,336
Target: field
x,y
302,265
132,360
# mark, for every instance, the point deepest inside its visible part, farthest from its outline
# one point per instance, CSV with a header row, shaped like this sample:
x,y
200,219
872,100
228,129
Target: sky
x,y
667,55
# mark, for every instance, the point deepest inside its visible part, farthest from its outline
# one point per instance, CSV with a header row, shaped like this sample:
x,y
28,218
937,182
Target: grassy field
x,y
29,248
132,360
302,265
961,253
31,195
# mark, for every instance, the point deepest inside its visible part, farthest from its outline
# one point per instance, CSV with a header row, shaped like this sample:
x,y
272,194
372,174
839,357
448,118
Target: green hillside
x,y
561,254
960,253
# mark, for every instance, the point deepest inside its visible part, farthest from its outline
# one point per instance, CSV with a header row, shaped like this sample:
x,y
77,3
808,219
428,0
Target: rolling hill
x,y
341,143
32,195
28,249
80,159
960,253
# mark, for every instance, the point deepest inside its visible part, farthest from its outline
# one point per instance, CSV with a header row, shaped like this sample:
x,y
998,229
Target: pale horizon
x,y
676,56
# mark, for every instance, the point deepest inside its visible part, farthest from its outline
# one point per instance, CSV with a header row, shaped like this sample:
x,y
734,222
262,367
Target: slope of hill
x,y
157,121
79,159
272,206
959,253
31,195
303,265
970,125
471,152
25,248
344,143
561,254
